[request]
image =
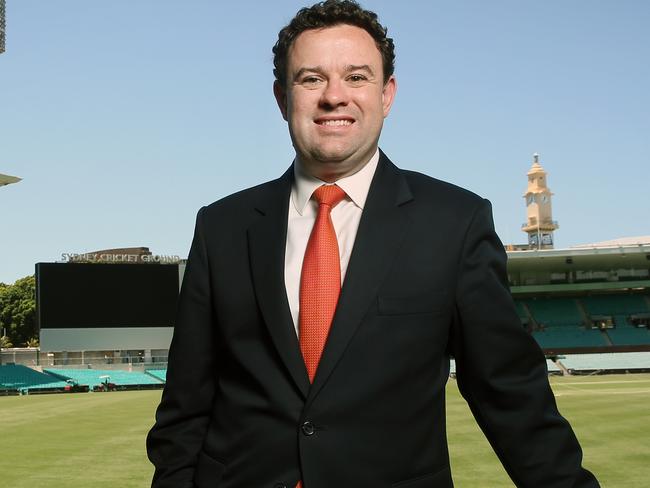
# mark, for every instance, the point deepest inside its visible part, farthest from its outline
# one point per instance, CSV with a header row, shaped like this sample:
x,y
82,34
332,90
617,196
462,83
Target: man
x,y
280,377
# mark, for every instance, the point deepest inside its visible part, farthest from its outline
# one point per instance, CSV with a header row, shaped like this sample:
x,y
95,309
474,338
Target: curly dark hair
x,y
328,14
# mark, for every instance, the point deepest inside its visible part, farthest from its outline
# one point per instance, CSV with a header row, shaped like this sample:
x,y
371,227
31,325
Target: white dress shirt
x,y
302,215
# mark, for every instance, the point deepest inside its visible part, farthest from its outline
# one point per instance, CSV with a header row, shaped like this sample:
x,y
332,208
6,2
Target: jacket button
x,y
308,428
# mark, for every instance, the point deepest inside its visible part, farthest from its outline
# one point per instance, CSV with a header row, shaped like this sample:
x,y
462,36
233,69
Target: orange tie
x,y
320,281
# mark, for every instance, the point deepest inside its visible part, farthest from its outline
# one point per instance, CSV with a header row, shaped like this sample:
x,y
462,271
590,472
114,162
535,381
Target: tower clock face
x,y
531,199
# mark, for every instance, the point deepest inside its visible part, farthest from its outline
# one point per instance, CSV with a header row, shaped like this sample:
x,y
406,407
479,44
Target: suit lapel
x,y
378,239
267,242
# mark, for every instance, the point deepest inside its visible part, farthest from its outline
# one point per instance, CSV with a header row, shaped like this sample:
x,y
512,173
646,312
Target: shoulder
x,y
248,202
427,188
433,200
450,204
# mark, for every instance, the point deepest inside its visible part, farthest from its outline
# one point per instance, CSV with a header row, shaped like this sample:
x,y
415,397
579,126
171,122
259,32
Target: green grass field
x,y
97,439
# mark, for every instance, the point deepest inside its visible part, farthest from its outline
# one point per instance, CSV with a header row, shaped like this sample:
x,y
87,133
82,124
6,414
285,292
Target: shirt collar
x,y
356,186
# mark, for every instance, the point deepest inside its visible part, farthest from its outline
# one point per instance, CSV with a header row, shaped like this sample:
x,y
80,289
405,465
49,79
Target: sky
x,y
125,117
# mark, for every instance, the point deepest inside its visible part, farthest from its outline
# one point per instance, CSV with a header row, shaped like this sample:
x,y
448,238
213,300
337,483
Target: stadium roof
x,y
7,180
593,257
622,241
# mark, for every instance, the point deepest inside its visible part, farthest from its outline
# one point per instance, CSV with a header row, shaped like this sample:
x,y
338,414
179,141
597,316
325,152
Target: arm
x,y
502,373
175,440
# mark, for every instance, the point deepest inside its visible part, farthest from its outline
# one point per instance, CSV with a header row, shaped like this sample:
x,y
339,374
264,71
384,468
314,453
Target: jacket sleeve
x,y
501,371
174,442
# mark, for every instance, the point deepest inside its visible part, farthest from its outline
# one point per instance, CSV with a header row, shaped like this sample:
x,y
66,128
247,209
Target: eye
x,y
310,81
357,78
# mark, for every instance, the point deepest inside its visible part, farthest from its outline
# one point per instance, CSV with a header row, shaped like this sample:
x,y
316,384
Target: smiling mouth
x,y
335,122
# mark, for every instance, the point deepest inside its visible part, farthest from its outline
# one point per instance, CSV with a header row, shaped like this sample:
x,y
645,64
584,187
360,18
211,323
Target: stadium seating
x,y
555,312
96,377
521,311
552,367
560,322
559,337
21,378
629,336
610,361
160,374
621,321
610,305
620,308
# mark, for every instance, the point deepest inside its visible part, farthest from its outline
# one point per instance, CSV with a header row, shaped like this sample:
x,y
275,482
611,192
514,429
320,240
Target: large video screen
x,y
83,295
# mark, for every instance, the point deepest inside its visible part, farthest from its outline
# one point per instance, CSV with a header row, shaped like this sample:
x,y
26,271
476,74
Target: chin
x,y
332,155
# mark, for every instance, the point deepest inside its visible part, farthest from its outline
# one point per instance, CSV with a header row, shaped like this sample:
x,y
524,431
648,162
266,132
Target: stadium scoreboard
x,y
91,306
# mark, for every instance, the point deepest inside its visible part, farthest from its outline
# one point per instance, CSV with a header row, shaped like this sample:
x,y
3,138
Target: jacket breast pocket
x,y
430,303
208,471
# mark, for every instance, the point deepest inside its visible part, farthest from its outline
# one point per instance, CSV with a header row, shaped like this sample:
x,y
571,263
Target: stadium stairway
x,y
583,312
160,374
524,314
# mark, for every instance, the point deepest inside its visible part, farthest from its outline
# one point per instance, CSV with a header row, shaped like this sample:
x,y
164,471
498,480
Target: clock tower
x,y
540,224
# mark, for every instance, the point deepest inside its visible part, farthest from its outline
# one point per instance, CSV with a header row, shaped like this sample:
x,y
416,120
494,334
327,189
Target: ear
x,y
281,98
388,94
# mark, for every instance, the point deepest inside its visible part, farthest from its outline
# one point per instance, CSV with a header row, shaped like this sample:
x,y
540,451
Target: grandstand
x,y
588,321
18,378
605,363
98,378
586,363
588,299
21,379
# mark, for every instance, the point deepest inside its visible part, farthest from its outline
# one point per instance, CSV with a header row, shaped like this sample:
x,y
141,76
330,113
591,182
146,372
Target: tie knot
x,y
329,195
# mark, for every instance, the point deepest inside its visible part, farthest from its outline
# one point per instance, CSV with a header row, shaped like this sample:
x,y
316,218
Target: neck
x,y
330,172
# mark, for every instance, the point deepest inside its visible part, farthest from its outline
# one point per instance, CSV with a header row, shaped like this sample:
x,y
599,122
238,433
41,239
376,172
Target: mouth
x,y
334,121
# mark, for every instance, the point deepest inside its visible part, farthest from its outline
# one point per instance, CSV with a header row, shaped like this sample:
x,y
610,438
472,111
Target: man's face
x,y
335,100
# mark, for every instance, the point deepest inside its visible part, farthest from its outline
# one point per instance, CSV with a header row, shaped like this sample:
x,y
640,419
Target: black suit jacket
x,y
426,280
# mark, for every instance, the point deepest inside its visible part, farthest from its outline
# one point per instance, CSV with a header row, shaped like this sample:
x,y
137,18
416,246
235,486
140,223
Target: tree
x,y
18,310
5,342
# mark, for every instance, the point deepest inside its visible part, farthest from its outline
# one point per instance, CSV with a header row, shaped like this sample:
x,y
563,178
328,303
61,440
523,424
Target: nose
x,y
334,94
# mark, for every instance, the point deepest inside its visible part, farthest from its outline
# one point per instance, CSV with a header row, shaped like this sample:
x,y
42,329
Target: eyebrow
x,y
308,69
359,67
319,69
